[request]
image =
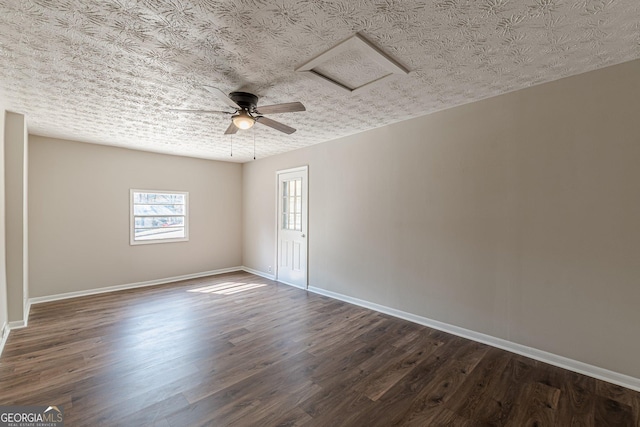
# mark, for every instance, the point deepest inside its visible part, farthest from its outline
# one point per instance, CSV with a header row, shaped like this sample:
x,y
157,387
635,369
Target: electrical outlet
x,y
269,269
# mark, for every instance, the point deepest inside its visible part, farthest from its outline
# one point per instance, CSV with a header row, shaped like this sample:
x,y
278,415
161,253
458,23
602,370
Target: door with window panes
x,y
292,226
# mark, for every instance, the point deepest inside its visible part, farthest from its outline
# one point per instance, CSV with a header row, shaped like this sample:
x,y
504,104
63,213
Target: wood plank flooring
x,y
239,350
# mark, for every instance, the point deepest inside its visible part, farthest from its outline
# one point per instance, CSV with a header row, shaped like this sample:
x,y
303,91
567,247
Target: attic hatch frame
x,y
368,49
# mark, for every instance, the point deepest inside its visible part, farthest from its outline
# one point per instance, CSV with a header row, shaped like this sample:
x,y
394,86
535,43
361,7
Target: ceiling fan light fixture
x,y
243,120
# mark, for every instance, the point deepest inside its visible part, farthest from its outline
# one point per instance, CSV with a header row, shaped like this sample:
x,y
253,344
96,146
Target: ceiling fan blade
x,y
289,107
222,97
180,110
231,129
276,125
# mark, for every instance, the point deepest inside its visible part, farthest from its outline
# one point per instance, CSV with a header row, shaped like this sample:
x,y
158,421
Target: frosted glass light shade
x,y
243,120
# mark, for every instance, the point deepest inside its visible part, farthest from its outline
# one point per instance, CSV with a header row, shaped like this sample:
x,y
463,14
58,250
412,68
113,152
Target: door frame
x,y
304,168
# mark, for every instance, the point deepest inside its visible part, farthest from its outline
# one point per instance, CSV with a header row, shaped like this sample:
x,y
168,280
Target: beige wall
x,y
516,216
4,316
79,216
16,247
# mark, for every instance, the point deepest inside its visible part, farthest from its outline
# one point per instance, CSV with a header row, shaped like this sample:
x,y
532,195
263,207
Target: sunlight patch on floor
x,y
227,288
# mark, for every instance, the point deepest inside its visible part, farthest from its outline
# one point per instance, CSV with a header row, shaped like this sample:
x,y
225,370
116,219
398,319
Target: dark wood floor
x,y
239,350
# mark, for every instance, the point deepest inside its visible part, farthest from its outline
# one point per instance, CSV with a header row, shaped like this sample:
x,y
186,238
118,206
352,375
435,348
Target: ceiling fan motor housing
x,y
247,101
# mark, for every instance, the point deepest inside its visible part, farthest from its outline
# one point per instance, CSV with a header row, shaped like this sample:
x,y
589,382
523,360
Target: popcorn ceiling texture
x,y
108,72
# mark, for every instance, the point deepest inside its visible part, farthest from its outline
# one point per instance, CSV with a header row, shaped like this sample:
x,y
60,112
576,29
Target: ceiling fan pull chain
x,y
231,145
254,143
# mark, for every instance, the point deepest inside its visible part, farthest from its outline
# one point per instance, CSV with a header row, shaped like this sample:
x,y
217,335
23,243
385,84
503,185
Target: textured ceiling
x,y
110,71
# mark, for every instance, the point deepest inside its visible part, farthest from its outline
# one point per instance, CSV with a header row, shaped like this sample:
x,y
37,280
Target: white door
x,y
292,227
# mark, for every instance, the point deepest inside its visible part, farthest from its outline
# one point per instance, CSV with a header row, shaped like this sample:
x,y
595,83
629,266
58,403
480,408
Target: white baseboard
x,y
57,297
269,276
543,356
291,284
17,324
27,310
23,323
4,335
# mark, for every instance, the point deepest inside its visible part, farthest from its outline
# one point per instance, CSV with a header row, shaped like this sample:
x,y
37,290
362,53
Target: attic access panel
x,y
352,65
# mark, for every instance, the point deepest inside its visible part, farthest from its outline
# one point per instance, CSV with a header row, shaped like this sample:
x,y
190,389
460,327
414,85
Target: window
x,y
159,216
292,204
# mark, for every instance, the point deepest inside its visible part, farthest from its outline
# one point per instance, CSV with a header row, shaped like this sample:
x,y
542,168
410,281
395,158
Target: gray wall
x,y
516,216
16,231
79,216
4,315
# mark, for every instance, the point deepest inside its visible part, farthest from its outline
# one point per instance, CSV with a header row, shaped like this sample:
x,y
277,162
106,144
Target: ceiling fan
x,y
246,111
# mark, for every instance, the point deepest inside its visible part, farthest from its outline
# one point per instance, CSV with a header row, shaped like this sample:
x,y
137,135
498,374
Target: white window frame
x,y
132,218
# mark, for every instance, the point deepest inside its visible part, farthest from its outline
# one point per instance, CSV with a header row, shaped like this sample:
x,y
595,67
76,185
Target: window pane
x,y
159,233
299,222
292,204
158,209
292,207
158,216
163,221
158,198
